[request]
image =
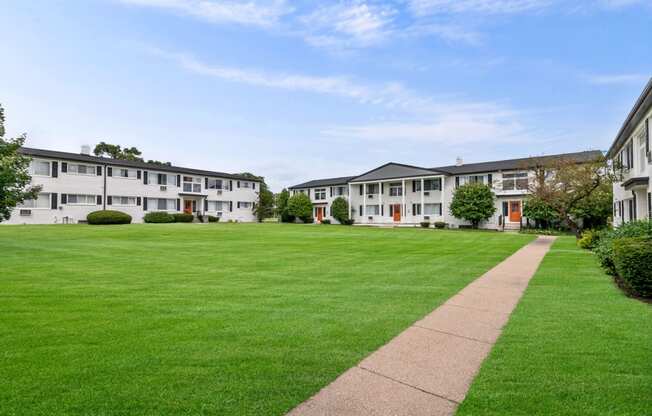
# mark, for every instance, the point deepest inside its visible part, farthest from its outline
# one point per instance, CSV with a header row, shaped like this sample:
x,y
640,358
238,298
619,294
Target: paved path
x,y
429,367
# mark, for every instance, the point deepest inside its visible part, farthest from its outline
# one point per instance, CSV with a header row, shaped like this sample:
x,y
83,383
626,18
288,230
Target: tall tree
x,y
265,205
14,173
340,209
566,184
300,206
473,202
282,206
116,152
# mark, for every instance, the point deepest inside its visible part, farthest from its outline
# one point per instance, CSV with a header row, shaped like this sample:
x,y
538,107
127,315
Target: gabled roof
x,y
513,164
78,157
393,170
641,107
342,180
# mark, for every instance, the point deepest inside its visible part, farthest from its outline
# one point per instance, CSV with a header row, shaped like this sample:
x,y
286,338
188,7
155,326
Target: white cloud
x,y
263,13
429,7
617,79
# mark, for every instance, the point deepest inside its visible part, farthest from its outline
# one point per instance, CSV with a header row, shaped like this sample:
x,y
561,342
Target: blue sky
x,y
302,90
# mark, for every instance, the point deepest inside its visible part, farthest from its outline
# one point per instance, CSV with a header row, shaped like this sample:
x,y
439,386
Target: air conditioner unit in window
x,y
219,192
164,188
25,212
426,193
219,213
426,217
370,196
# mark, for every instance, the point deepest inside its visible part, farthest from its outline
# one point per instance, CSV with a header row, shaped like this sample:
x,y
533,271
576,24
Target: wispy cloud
x,y
263,13
429,7
617,79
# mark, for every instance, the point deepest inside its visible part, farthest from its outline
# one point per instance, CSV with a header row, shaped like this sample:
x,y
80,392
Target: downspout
x,y
104,190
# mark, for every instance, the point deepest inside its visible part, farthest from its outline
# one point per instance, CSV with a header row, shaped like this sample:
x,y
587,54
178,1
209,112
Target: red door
x,y
515,211
397,212
187,207
320,214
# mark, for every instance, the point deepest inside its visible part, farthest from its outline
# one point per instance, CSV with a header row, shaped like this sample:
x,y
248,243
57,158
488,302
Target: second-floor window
x,y
162,179
74,199
372,189
39,167
432,184
215,184
41,201
340,190
81,169
395,189
515,181
191,184
320,194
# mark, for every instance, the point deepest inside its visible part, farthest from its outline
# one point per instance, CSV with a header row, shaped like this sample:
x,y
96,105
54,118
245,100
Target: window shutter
x,y
178,204
253,184
649,205
109,171
144,204
145,177
139,201
54,199
361,189
230,206
55,169
230,185
109,200
206,203
99,200
64,167
490,179
64,199
360,212
139,174
238,204
179,181
238,184
391,210
331,189
382,210
98,171
457,182
414,186
647,137
205,183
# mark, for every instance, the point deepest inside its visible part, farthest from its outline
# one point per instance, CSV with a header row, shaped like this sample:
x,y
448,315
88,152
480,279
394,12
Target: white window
x,y
244,205
432,184
123,200
246,184
40,167
191,184
340,190
42,201
432,209
373,189
395,189
162,204
161,179
512,181
216,205
416,209
320,193
126,173
78,169
372,210
74,199
215,184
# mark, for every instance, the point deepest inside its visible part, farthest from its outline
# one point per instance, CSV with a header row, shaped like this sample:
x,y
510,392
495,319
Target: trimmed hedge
x,y
604,249
425,224
158,217
182,217
590,239
440,224
326,222
108,217
349,221
633,262
213,218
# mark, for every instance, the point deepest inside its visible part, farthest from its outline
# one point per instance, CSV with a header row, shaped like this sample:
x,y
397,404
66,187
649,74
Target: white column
x,y
443,197
364,199
380,197
403,210
422,196
350,203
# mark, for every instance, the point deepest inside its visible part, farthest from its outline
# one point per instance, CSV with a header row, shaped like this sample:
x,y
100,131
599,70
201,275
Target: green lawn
x,y
224,319
575,345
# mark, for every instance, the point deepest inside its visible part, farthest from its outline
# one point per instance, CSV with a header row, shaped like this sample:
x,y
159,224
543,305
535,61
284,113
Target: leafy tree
x,y
596,209
340,209
265,205
116,152
14,173
299,206
282,206
473,202
565,185
539,211
159,163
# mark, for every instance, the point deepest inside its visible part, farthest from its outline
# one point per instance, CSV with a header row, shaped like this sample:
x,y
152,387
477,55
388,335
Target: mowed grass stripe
x,y
229,319
575,345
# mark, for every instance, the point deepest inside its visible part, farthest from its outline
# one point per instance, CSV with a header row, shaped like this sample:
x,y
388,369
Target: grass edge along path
x,y
574,345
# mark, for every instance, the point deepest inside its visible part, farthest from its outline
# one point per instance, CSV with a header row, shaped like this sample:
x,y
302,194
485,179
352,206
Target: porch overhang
x,y
195,195
634,183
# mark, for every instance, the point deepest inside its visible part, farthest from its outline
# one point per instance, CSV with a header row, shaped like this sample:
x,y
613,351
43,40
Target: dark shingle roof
x,y
641,106
53,154
512,164
393,170
342,180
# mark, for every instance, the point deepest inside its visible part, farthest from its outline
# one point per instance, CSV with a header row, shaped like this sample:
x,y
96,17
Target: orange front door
x,y
515,211
397,212
187,207
320,214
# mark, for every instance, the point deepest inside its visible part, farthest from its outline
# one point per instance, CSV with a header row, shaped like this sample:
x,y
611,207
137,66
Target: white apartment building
x,y
73,185
631,152
398,194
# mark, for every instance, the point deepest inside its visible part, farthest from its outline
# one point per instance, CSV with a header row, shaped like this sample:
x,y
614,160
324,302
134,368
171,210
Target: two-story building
x,y
73,185
632,156
398,194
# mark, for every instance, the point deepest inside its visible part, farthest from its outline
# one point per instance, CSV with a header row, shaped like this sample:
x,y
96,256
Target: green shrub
x,y
299,206
158,217
440,224
326,222
589,239
604,249
425,224
182,217
271,220
633,261
348,221
108,217
213,218
340,209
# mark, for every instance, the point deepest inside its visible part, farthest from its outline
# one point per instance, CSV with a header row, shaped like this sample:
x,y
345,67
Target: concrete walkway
x,y
429,367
